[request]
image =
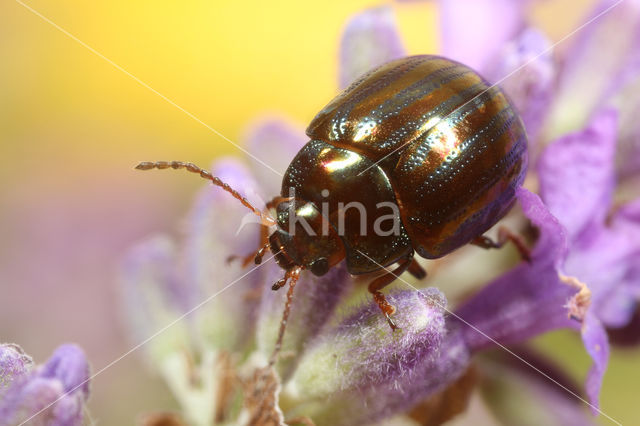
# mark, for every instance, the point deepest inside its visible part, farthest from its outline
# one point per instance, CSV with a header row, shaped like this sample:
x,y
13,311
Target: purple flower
x,y
337,359
339,363
535,298
604,247
52,394
474,32
370,39
507,378
346,373
14,364
577,105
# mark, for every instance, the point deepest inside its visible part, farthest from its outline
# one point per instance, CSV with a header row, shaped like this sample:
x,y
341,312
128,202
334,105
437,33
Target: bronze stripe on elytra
x,y
397,133
423,147
478,181
366,88
406,127
496,129
492,176
361,87
402,67
459,169
374,99
481,206
417,91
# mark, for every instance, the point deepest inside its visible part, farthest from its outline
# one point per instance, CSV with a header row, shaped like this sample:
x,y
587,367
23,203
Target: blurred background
x,y
72,126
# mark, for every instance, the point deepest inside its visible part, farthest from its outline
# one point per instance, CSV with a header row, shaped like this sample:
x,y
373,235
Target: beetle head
x,y
305,238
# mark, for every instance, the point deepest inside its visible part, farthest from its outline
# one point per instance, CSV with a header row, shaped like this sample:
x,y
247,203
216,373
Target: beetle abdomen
x,y
395,104
452,145
458,179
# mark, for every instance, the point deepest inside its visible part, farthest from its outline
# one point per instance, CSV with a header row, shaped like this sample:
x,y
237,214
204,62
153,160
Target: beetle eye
x,y
319,267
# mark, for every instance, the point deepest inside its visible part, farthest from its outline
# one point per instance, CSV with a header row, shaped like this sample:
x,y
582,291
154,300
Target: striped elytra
x,y
423,134
450,145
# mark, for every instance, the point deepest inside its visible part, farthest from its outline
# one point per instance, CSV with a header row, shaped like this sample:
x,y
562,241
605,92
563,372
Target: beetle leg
x,y
256,256
416,270
381,282
504,235
275,201
280,283
257,259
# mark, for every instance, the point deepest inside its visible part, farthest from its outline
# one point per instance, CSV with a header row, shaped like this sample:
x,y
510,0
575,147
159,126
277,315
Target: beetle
x,y
423,133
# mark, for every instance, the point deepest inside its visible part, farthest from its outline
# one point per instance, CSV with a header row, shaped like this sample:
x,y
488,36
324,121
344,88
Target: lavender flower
x,y
370,39
603,236
14,364
339,362
27,390
573,104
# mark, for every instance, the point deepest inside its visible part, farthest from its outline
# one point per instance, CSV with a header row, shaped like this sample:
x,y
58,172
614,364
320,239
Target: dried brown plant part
x,y
261,392
579,304
227,387
161,419
447,404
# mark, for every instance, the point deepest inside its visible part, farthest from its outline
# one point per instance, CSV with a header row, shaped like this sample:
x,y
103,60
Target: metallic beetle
x,y
424,133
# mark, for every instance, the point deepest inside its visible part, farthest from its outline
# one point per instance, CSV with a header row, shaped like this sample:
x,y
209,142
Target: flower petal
x,y
274,141
577,178
608,263
627,101
577,174
219,227
473,32
361,371
630,212
59,387
14,364
596,343
515,391
216,231
233,172
152,296
68,364
198,398
532,299
370,39
525,69
528,300
314,303
421,320
599,55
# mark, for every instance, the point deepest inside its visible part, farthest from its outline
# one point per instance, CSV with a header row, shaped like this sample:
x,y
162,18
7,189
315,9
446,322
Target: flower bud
x,y
53,394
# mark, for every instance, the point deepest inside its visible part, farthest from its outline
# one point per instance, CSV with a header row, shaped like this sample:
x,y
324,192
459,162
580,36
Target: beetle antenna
x,y
190,167
292,275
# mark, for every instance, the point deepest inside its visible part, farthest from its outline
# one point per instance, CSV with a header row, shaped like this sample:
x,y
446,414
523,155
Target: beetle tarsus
x,y
257,259
279,284
416,270
391,322
379,283
504,235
